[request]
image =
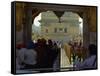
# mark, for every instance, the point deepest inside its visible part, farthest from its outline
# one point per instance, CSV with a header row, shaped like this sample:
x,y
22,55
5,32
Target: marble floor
x,y
64,63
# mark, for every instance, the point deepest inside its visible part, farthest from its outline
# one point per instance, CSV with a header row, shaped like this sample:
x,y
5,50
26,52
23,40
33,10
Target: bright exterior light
x,y
36,20
81,25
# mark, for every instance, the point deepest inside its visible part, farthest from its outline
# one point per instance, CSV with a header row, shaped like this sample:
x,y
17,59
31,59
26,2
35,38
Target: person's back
x,y
52,53
41,50
30,57
20,57
90,62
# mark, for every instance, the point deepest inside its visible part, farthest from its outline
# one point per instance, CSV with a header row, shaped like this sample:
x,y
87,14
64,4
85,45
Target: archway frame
x,y
82,11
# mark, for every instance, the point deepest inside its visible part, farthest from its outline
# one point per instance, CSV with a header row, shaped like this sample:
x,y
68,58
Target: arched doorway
x,y
58,18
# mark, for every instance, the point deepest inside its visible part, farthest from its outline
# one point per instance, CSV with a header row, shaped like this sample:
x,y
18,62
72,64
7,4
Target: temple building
x,y
65,30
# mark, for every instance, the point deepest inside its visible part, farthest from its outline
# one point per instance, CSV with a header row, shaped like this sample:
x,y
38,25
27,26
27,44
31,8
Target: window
x,y
55,30
65,30
60,29
46,30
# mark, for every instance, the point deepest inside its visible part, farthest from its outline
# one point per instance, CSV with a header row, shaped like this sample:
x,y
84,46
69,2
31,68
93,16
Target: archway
x,y
32,11
68,28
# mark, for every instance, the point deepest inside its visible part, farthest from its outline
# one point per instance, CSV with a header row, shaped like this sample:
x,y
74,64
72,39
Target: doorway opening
x,y
65,29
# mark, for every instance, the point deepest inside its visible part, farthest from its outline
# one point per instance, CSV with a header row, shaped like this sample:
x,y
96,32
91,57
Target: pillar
x,y
27,27
86,33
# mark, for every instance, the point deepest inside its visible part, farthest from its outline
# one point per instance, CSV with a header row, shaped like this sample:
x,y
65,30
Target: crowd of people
x,y
83,58
44,55
90,62
76,50
39,55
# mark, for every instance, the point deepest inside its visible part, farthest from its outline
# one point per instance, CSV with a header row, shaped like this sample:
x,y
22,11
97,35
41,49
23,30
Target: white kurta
x,y
28,56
